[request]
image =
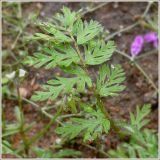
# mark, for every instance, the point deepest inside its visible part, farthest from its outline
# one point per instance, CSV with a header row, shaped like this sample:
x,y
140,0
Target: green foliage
x,y
66,41
58,35
41,153
73,45
7,148
152,22
98,52
82,77
90,128
87,31
64,85
67,18
11,129
138,121
142,144
109,81
62,55
41,36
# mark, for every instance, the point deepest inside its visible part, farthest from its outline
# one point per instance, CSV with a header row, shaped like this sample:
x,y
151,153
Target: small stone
x,y
23,92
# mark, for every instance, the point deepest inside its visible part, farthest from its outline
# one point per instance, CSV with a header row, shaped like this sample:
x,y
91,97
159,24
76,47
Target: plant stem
x,y
19,10
101,105
99,100
139,68
121,30
39,109
94,8
22,130
51,117
78,51
95,149
145,75
155,51
45,129
147,9
132,25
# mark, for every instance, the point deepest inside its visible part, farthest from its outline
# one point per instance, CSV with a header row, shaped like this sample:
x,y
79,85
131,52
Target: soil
x,y
113,16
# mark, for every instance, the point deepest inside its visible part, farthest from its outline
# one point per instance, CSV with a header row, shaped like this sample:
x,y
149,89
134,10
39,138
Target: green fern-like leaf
x,y
83,77
53,88
58,35
42,36
110,80
98,52
90,128
86,31
62,55
138,121
66,18
142,144
58,86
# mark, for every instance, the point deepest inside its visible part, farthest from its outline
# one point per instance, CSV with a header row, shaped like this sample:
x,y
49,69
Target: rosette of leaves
x,y
73,45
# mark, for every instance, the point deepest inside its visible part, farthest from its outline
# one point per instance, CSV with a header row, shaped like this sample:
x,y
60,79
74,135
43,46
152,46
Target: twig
x,y
50,116
95,149
94,8
15,41
39,109
131,26
19,10
22,129
155,51
145,75
121,30
124,54
146,10
139,68
70,115
28,101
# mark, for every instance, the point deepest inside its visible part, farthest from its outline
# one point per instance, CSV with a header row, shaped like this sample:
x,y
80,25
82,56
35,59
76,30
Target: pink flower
x,y
151,37
155,44
137,45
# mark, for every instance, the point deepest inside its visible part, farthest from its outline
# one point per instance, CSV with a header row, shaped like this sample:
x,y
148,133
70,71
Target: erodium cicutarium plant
x,y
74,46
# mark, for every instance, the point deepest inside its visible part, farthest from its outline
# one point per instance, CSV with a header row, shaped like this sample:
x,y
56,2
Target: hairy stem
x,y
78,51
22,130
99,100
